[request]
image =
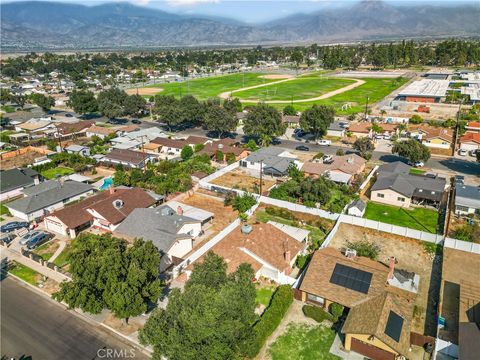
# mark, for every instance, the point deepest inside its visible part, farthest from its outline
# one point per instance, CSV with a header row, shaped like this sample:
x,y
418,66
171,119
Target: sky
x,y
251,11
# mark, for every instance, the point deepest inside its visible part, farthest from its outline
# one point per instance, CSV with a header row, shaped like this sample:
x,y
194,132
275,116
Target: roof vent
x,y
118,204
350,253
166,211
246,229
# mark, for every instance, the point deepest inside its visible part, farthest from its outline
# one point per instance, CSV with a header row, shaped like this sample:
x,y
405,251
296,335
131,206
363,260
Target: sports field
x,y
296,89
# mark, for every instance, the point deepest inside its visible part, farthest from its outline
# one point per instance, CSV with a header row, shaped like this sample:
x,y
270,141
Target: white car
x,y
419,164
387,137
324,142
462,152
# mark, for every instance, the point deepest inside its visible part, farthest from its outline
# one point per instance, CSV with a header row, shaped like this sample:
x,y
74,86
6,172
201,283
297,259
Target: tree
x,y
297,58
263,120
317,119
243,203
108,274
45,102
83,102
376,128
233,106
252,145
416,119
411,149
364,146
111,102
265,140
220,120
211,319
289,110
187,152
192,110
219,155
134,105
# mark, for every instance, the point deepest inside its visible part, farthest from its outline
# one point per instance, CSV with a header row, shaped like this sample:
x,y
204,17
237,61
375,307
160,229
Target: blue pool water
x,y
107,182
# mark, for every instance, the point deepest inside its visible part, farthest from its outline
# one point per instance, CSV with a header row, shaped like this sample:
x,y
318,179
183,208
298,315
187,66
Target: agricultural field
x,y
296,89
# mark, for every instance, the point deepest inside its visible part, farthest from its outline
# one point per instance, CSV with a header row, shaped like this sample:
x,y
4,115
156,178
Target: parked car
x,y
462,152
387,137
418,164
7,238
68,115
302,148
324,142
378,136
474,152
27,237
327,159
136,121
459,179
38,239
13,225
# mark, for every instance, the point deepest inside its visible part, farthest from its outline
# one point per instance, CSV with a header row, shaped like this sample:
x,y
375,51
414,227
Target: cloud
x,y
140,2
189,2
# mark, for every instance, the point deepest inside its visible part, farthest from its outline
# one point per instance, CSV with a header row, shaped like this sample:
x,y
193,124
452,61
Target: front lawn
x,y
25,273
304,342
4,210
58,171
62,259
414,218
264,294
415,171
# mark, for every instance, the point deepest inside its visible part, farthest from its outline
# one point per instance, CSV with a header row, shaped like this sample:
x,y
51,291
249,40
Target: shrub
x,y
187,152
319,155
336,310
340,152
302,261
219,155
271,318
199,147
364,248
280,212
316,313
230,158
416,119
243,203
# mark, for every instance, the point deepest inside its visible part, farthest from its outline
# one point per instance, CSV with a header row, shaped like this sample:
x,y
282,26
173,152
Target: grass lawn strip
x,y
25,273
415,218
264,294
62,259
4,210
53,173
415,171
304,342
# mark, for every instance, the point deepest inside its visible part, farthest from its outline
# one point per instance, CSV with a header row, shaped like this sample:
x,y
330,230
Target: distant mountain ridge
x,y
46,25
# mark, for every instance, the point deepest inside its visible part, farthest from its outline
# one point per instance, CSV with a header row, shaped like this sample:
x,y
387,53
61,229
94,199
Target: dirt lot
x,y
411,256
144,91
276,76
20,160
241,180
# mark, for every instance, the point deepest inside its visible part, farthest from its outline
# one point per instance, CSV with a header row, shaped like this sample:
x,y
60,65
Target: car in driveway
x,y
27,237
136,121
13,225
7,238
38,239
302,148
327,159
417,164
324,142
462,152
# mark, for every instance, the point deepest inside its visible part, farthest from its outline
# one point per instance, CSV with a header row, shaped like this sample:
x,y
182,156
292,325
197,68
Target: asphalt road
x,y
37,328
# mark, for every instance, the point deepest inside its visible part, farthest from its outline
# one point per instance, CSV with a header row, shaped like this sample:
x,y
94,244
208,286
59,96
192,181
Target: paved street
x,y
35,326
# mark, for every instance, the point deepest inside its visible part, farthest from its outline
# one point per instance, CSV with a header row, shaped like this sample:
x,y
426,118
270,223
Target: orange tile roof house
x,y
381,300
211,150
434,137
270,251
473,126
101,132
105,210
361,129
341,169
470,141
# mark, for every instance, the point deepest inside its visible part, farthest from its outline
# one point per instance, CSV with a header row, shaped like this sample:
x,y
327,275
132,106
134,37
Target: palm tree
x,y
265,140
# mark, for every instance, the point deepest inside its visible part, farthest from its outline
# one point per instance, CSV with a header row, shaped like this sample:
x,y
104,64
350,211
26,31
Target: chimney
x,y
287,255
111,190
179,210
391,265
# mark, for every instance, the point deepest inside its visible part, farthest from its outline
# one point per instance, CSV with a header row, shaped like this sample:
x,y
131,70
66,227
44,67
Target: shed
x,y
357,208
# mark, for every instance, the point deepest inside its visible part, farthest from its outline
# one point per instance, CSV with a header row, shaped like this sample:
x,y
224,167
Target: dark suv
x,y
13,225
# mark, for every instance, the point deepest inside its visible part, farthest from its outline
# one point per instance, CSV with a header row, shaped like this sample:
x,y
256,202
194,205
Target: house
x,y
435,137
36,127
341,169
170,147
336,129
170,230
13,181
380,299
473,126
79,128
272,161
361,129
128,158
100,131
46,197
470,141
400,188
467,199
292,121
105,210
211,150
78,149
142,136
270,250
357,208
201,215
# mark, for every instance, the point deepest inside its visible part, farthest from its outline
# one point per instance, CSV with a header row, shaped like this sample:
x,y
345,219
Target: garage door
x,y
370,351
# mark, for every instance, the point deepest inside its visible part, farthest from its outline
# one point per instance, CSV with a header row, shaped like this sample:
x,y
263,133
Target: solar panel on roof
x,y
351,278
394,326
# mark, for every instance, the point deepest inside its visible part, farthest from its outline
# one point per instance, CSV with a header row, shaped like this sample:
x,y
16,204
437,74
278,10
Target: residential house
x,y
467,199
100,131
36,127
470,141
211,150
13,181
292,121
337,129
170,230
201,215
142,136
360,129
105,210
269,249
170,147
380,299
66,129
272,161
128,158
44,198
341,169
433,137
357,208
473,126
400,188
78,149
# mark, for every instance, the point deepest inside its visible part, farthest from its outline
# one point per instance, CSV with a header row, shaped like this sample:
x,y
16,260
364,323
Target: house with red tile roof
x,y
470,141
473,126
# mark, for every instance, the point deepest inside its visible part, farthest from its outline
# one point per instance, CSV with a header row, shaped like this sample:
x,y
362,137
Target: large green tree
x,y
220,120
210,319
264,120
411,149
45,102
111,102
364,146
317,119
83,102
134,105
108,274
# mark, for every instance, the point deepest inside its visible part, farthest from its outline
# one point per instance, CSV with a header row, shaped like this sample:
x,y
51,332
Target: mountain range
x,y
38,25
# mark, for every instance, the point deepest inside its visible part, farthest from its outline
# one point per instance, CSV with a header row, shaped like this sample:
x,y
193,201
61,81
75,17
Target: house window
x,y
316,299
380,195
252,162
401,199
462,208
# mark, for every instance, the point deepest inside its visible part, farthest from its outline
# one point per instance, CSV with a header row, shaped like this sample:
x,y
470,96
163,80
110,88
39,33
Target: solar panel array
x,y
351,278
394,326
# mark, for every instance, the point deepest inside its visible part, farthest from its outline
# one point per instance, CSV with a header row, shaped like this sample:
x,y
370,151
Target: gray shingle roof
x,y
272,162
394,167
336,126
467,195
15,178
48,193
359,204
160,225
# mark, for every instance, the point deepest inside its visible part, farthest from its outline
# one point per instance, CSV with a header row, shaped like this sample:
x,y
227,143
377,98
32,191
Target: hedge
x,y
271,318
316,313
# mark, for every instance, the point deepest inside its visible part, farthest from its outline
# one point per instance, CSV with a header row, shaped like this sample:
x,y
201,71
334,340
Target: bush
x,y
319,155
364,248
219,155
199,147
302,261
243,203
280,212
187,152
340,152
316,313
271,318
416,119
230,158
336,310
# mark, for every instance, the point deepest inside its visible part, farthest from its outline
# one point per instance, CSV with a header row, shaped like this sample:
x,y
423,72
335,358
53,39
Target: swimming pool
x,y
107,182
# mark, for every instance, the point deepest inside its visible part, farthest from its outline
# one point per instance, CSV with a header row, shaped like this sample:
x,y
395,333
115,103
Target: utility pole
x,y
143,152
366,108
261,177
457,125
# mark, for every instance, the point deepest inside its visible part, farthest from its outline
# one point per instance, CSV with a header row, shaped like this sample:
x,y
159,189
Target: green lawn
x,y
4,210
7,108
302,88
415,171
264,294
304,342
58,171
62,259
205,88
24,273
414,218
45,255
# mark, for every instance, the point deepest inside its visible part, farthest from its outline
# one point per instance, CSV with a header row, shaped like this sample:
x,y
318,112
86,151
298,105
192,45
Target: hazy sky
x,y
251,11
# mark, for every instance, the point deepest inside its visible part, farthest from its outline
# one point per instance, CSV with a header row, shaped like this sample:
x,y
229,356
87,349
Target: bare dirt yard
x,y
147,91
239,179
276,76
412,255
20,160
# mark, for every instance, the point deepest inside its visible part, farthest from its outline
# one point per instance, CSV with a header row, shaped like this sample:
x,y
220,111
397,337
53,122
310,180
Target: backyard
x,y
264,294
415,218
56,172
238,179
